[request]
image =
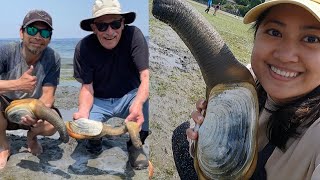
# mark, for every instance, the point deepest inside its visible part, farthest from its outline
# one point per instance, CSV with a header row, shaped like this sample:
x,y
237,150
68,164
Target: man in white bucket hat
x,y
112,64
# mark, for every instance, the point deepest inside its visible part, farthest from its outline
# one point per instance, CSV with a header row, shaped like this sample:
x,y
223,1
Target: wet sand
x,y
69,160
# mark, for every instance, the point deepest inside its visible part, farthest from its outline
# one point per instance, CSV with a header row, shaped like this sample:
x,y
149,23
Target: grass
x,y
67,78
238,36
177,89
162,89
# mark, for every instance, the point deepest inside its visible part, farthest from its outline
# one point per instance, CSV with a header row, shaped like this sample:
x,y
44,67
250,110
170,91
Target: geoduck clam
x,y
36,109
227,141
89,129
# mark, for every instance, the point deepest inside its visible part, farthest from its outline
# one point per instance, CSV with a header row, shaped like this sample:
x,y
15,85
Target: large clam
x,y
89,129
226,147
35,109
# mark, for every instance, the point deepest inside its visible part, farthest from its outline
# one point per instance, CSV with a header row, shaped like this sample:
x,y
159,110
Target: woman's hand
x,y
198,117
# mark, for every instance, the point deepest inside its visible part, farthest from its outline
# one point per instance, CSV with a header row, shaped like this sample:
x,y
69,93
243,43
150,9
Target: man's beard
x,y
35,51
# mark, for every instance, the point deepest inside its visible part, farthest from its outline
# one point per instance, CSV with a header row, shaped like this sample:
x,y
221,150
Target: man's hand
x,y
29,121
135,114
78,115
27,82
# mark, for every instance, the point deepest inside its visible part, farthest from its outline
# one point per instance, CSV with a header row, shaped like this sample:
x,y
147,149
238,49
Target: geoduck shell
x,y
227,138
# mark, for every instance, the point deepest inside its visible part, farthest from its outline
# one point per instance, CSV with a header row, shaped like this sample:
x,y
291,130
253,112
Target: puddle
x,y
67,114
69,83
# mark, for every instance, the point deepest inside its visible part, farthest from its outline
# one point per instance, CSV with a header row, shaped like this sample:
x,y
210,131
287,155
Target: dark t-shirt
x,y
113,72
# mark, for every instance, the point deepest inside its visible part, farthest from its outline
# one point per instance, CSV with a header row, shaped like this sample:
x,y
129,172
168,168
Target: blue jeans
x,y
104,109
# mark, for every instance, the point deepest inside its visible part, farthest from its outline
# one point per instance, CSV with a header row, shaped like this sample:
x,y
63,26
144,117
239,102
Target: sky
x,y
66,15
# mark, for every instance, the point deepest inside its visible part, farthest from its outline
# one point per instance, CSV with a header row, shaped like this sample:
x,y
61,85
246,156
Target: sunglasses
x,y
104,26
32,31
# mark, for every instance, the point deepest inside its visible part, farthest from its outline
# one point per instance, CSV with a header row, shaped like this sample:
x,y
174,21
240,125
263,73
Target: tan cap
x,y
313,6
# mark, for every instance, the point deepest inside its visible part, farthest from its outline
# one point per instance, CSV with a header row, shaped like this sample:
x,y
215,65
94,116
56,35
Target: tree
x,y
243,9
242,2
254,3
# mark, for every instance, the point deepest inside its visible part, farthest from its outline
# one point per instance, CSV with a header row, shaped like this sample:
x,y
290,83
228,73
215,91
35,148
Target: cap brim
x,y
254,13
128,19
39,20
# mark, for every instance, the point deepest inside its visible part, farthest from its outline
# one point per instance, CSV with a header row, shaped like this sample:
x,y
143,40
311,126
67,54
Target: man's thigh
x,y
102,109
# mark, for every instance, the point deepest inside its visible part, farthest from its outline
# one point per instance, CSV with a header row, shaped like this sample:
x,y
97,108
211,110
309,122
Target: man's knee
x,y
3,122
46,129
4,103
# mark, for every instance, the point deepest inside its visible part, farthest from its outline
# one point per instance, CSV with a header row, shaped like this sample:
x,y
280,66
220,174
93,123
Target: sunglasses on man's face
x,y
32,31
104,26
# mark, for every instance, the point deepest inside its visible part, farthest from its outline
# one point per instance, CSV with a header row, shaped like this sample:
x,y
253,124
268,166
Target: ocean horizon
x,y
64,46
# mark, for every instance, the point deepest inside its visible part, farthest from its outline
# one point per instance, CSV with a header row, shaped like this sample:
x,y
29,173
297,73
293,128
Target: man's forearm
x,y
48,95
8,85
143,90
86,98
85,102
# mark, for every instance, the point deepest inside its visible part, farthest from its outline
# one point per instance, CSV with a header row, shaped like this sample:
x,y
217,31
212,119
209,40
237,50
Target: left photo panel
x,y
74,90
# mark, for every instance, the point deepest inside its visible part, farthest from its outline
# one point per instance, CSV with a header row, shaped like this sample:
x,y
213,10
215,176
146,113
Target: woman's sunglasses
x,y
32,31
104,26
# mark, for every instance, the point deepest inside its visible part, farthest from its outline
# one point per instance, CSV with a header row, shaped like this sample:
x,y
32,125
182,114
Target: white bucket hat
x,y
104,7
313,6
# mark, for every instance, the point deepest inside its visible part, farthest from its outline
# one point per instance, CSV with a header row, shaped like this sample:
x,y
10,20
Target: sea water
x,y
65,47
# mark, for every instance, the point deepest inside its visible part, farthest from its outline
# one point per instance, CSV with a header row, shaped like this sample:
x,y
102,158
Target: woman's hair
x,y
289,119
285,122
259,20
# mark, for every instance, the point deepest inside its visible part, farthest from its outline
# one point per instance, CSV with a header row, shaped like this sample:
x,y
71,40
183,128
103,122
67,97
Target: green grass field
x,y
238,36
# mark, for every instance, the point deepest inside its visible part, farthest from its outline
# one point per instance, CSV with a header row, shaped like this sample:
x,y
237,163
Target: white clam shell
x,y
227,137
86,127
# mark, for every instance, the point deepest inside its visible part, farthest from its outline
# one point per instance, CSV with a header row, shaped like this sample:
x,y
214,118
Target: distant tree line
x,y
245,5
237,7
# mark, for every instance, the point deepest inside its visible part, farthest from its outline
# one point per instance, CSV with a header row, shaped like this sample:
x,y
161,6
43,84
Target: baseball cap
x,y
37,15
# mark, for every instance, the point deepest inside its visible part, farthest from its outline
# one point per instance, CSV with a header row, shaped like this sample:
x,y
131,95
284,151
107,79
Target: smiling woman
x,y
285,62
290,50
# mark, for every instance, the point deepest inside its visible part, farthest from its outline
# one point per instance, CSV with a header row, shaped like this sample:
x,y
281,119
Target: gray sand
x,y
69,160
